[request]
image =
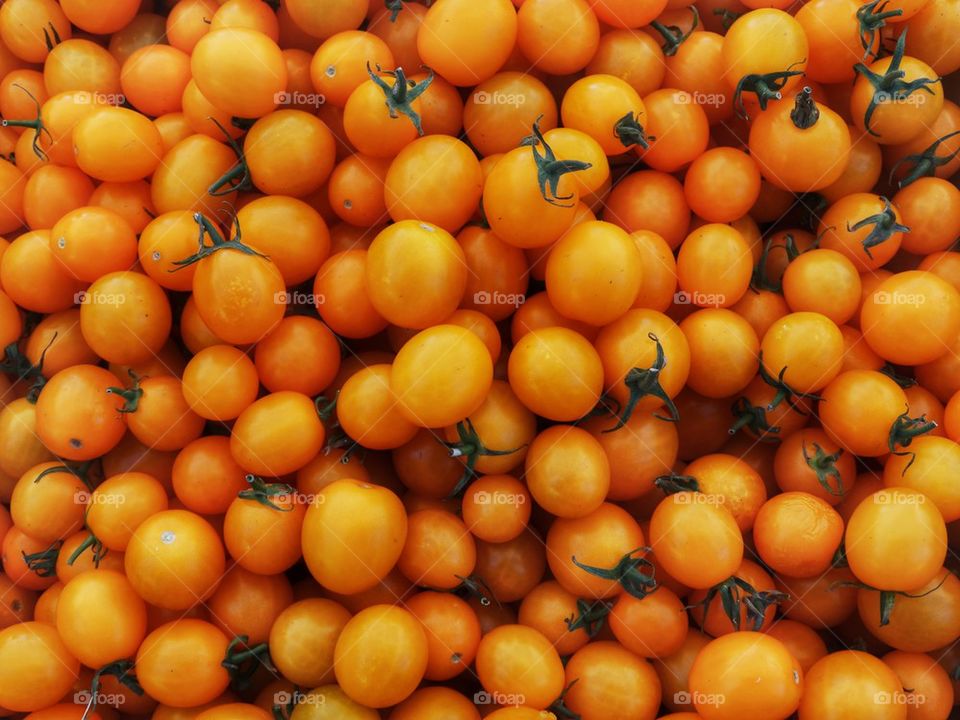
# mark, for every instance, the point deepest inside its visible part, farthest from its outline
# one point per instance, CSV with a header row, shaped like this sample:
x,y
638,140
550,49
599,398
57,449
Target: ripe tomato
x,y
908,552
353,534
247,604
514,661
775,688
435,703
399,261
723,352
567,471
369,413
220,382
714,266
278,434
179,663
174,558
452,631
851,684
386,637
100,618
467,44
120,504
797,534
76,417
731,482
600,539
441,375
911,318
38,668
279,167
496,508
921,619
603,673
594,273
809,461
685,520
804,350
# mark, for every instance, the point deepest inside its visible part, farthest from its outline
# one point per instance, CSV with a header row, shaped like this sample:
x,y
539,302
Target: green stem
x,y
635,581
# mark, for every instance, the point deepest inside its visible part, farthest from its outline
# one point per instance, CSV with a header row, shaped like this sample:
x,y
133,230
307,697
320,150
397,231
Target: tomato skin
x,y
723,352
415,274
240,297
385,637
687,520
594,273
916,624
935,459
452,630
179,663
846,684
101,604
714,266
911,548
77,418
503,655
262,539
483,38
807,347
873,399
556,373
277,434
38,669
775,687
441,375
174,558
604,671
600,539
353,535
896,123
120,504
911,318
786,518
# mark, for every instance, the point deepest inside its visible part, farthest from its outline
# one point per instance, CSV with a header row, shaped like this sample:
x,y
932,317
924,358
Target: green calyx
x,y
217,242
884,226
470,447
634,573
891,87
871,17
643,382
39,131
263,492
673,36
589,616
766,87
753,418
400,96
736,596
549,168
825,467
630,132
674,483
925,164
236,178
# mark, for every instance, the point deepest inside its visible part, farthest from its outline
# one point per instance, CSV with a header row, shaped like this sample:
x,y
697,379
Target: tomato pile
x,y
461,359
